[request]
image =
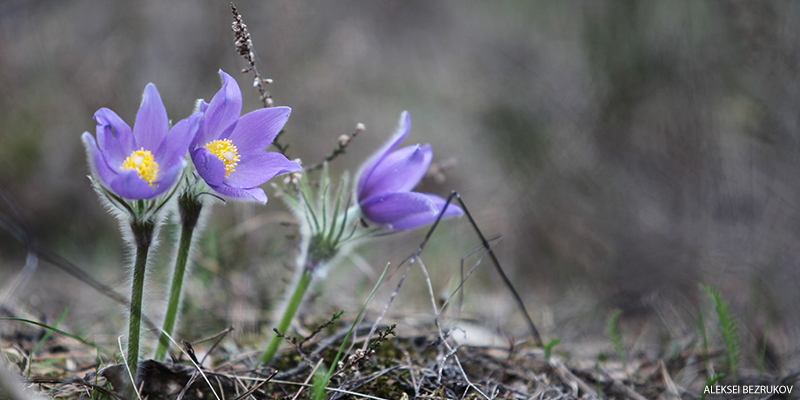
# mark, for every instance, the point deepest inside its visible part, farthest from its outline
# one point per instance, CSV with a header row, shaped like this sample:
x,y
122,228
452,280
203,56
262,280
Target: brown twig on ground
x,y
218,336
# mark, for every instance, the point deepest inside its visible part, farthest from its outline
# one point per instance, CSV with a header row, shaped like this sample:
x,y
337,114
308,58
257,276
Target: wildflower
x,y
135,166
144,162
385,181
228,151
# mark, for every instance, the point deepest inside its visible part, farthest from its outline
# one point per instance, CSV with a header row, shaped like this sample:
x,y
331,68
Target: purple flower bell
x,y
144,162
385,182
228,151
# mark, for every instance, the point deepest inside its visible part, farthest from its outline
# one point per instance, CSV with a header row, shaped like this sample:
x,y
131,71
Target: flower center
x,y
226,152
142,161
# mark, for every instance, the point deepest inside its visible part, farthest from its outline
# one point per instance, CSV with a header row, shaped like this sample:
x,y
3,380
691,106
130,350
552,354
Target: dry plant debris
x,y
395,368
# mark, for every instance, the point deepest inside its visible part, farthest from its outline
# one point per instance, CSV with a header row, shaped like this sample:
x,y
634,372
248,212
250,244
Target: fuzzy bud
x,y
344,140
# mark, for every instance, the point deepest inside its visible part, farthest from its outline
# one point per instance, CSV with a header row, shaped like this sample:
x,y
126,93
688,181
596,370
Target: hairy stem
x,y
142,230
291,307
189,207
134,323
174,292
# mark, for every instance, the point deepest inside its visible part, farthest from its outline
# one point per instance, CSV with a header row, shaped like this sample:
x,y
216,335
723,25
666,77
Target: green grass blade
x,y
711,382
321,383
548,348
69,335
615,336
45,337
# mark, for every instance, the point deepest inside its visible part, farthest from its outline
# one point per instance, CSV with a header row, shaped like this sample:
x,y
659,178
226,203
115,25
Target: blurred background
x,y
626,152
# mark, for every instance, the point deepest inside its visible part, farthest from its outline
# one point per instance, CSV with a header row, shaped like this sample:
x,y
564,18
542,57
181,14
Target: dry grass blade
x,y
411,372
308,379
622,386
672,390
127,368
570,378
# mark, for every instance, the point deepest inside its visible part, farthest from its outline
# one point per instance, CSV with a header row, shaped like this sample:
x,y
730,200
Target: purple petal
x,y
167,179
253,194
223,111
151,124
254,169
131,186
452,209
210,168
257,129
399,210
400,133
400,171
173,148
97,162
114,136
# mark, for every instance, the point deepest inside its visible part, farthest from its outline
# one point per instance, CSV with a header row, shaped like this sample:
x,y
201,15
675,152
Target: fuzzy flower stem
x,y
288,314
189,207
143,237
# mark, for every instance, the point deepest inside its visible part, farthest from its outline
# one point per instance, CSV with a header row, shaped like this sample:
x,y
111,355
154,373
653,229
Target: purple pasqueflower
x,y
385,182
228,151
144,162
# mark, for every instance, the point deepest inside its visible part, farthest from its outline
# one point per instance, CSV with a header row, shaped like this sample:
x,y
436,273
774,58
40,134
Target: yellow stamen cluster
x,y
226,152
142,161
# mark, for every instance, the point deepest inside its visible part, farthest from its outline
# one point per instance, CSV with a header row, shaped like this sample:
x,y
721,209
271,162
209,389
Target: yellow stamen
x,y
142,161
226,152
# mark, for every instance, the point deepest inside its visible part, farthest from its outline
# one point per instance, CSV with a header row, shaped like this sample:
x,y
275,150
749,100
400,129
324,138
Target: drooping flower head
x,y
385,181
143,162
229,150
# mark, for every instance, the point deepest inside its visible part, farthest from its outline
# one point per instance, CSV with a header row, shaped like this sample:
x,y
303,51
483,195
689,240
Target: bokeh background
x,y
626,151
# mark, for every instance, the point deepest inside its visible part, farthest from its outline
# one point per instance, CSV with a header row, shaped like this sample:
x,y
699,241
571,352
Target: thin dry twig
x,y
219,336
244,45
293,342
341,147
257,386
451,351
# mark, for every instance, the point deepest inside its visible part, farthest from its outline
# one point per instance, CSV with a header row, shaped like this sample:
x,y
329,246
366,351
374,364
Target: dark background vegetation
x,y
627,151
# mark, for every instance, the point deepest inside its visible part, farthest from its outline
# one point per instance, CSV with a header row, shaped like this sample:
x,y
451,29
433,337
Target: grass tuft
x,y
730,334
615,336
